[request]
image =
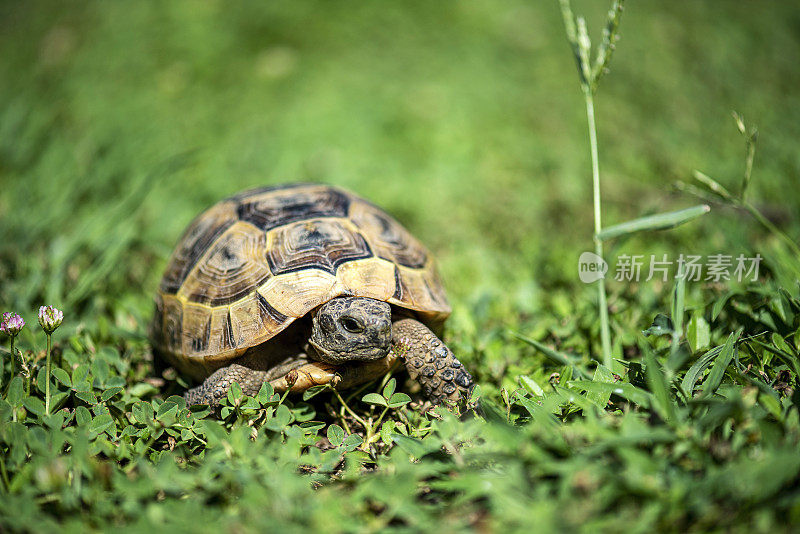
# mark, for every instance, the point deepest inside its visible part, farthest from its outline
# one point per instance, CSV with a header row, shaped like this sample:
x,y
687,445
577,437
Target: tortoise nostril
x,y
327,323
351,324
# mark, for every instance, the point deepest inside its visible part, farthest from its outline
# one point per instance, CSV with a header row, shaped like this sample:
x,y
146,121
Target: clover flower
x,y
12,324
50,318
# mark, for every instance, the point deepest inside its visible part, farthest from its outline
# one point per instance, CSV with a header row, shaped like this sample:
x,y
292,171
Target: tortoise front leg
x,y
215,387
430,362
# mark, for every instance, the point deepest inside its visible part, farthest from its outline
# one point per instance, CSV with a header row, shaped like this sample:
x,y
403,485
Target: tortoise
x,y
300,285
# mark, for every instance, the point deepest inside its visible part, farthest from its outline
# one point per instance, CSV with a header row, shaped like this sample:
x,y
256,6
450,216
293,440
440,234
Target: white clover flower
x,y
50,318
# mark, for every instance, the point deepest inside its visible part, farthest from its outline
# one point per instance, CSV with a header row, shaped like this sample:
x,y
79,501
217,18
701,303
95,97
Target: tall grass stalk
x,y
590,75
605,333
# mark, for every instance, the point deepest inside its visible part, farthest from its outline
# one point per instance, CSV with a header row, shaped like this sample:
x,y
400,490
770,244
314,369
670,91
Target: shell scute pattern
x,y
276,208
252,264
393,242
196,328
232,267
317,243
202,232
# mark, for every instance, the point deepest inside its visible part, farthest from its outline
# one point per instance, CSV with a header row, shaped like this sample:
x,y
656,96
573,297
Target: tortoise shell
x,y
249,266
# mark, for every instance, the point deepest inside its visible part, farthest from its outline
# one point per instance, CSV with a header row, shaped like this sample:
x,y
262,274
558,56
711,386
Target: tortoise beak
x,y
316,351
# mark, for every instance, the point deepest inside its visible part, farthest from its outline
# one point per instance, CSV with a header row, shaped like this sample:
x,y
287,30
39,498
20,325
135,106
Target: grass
x,y
119,123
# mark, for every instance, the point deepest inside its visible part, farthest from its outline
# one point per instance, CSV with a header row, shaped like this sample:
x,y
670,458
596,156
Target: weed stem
x,y
47,380
13,361
351,412
605,334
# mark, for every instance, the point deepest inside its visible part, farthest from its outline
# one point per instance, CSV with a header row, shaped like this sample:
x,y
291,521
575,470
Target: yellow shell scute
x,y
295,294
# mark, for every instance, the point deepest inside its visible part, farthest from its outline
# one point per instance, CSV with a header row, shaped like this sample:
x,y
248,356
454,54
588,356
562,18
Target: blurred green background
x,y
119,122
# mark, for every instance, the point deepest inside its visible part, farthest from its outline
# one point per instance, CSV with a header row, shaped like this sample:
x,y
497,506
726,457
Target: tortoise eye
x,y
351,325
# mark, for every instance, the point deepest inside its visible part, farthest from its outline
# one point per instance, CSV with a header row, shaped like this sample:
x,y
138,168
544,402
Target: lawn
x,y
120,122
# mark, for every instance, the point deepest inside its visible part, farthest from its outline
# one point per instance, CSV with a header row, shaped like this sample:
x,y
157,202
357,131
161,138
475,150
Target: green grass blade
x,y
719,304
601,374
694,372
574,397
558,357
661,221
678,305
538,412
623,389
721,363
698,332
662,398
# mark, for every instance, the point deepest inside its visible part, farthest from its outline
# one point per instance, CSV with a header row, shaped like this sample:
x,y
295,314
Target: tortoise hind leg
x,y
256,366
215,387
430,362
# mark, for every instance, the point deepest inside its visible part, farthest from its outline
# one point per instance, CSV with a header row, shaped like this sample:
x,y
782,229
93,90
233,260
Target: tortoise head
x,y
351,329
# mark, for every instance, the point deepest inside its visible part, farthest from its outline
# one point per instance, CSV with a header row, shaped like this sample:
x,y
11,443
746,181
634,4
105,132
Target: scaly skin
x,y
215,387
299,378
430,362
427,359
